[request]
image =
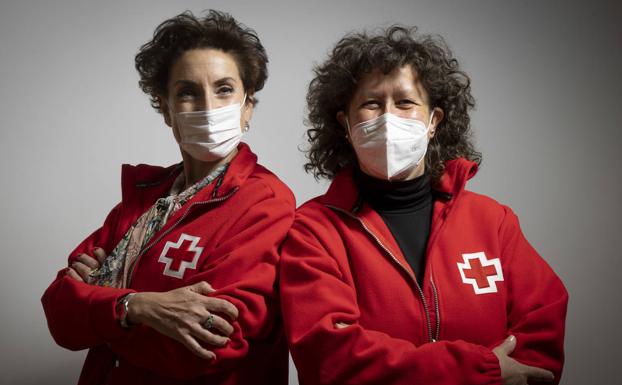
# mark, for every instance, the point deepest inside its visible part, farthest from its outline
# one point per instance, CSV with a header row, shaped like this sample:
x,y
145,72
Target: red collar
x,y
152,182
343,192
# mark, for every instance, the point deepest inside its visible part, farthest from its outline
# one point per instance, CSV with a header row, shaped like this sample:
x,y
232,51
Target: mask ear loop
x,y
430,122
247,126
347,128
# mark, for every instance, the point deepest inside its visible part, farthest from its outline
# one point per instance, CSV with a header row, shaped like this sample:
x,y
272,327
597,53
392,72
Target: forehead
x,y
204,64
403,78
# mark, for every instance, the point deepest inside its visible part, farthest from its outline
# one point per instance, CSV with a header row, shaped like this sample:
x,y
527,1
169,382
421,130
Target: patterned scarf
x,y
115,270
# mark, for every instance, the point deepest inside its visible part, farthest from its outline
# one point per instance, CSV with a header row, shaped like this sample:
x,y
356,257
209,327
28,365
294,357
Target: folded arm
x,y
242,269
318,302
537,302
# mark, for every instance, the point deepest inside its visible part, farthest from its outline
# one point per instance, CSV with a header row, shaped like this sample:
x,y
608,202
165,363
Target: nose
x,y
207,102
389,108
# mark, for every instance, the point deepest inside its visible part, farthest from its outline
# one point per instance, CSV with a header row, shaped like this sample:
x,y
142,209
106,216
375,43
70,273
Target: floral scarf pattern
x,y
116,269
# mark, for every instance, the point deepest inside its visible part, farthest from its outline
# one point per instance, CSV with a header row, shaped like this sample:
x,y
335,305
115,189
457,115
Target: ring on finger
x,y
209,322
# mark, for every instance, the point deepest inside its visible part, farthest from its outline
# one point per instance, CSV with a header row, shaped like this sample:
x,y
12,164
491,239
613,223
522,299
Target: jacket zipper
x,y
436,309
163,234
419,290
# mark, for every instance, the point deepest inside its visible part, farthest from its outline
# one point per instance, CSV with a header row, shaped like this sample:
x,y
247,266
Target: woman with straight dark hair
x,y
178,285
398,274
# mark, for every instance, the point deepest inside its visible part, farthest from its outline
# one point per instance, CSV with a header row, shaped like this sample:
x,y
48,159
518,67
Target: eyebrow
x,y
375,94
225,80
185,82
217,82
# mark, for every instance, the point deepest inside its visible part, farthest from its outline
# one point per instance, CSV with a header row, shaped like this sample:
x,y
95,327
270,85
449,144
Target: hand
x,y
80,270
181,313
515,373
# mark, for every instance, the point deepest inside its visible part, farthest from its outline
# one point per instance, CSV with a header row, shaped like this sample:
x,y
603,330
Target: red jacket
x,y
483,281
239,230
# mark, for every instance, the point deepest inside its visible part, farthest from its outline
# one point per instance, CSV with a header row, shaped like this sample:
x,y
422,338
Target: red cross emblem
x,y
480,272
175,258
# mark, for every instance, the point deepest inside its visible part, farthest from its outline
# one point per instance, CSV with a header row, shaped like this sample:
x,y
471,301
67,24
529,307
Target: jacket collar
x,y
153,182
344,193
454,179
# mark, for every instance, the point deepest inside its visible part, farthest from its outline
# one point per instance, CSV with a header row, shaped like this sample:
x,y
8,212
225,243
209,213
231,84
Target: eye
x,y
186,93
407,103
370,104
225,90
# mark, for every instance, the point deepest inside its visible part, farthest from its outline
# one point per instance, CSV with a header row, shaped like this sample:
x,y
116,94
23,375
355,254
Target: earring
x,y
246,127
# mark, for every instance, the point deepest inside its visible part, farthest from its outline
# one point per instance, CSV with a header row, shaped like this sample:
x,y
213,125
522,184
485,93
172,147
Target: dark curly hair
x,y
184,32
358,54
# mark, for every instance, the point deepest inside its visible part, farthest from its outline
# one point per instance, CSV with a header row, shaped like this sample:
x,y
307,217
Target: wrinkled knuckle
x,y
223,307
212,304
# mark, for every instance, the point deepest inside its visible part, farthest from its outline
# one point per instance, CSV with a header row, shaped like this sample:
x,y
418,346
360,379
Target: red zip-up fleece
x,y
483,282
228,237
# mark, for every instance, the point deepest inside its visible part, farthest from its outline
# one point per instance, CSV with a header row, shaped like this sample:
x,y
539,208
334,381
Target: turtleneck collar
x,y
394,196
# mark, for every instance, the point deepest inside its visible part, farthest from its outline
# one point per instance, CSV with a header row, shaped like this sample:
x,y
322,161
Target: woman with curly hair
x,y
398,274
178,285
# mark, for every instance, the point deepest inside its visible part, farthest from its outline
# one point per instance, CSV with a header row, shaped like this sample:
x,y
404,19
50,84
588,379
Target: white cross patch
x,y
173,256
480,272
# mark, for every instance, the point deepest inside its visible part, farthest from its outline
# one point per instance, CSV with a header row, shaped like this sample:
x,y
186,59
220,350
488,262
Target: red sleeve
x,y
244,273
315,296
537,302
80,315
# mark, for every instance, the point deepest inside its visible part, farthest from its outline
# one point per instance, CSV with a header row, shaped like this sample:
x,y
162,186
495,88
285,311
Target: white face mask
x,y
389,146
210,135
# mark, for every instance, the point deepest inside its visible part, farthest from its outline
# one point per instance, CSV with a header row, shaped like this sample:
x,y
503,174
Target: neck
x,y
394,196
195,170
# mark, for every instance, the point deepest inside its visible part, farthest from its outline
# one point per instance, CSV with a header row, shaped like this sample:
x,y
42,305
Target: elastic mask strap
x,y
430,121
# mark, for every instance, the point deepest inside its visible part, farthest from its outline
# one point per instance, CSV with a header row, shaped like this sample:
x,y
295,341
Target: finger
x,y
507,346
217,305
537,374
88,261
72,274
82,269
100,254
341,325
192,345
220,324
208,337
202,288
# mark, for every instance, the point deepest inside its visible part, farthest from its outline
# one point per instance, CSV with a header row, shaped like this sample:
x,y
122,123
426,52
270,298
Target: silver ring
x,y
209,322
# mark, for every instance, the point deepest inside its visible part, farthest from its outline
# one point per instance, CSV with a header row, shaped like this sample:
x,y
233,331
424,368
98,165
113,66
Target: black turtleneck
x,y
406,208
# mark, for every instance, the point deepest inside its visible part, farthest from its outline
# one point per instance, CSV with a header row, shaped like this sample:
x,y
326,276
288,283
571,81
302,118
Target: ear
x,y
165,111
341,118
437,118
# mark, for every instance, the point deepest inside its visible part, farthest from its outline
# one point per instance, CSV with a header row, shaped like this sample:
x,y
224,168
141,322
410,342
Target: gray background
x,y
545,75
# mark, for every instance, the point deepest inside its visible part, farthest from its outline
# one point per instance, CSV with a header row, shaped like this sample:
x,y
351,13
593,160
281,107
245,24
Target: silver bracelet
x,y
125,303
